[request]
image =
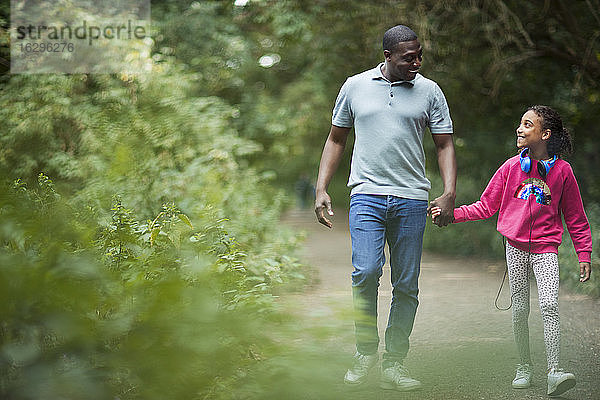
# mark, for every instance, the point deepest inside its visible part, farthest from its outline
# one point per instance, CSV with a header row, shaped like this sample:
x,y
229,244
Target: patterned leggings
x,y
545,268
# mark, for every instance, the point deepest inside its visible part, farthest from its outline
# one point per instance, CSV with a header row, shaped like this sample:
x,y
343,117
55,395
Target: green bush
x,y
152,274
164,308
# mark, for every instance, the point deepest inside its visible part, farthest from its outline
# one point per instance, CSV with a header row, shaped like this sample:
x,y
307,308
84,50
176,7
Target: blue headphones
x,y
543,166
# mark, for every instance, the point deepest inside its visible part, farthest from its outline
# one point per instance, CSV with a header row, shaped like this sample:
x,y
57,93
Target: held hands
x,y
435,213
585,270
322,205
442,210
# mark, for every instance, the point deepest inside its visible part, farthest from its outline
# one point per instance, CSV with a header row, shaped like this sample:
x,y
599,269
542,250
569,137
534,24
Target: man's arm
x,y
447,164
330,160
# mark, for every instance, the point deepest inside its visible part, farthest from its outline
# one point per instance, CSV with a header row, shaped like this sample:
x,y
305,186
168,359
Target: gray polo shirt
x,y
389,120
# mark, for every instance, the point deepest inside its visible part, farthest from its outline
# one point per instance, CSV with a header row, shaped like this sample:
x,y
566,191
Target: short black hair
x,y
397,34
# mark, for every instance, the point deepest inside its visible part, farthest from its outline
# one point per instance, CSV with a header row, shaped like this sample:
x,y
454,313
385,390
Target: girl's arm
x,y
577,223
490,200
488,204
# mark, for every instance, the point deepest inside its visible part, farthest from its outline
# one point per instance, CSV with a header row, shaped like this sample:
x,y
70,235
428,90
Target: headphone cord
x,y
502,283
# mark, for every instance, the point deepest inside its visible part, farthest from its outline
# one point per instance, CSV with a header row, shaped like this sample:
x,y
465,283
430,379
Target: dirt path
x,y
461,346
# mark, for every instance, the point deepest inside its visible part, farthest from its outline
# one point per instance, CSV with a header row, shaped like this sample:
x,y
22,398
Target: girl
x,y
531,190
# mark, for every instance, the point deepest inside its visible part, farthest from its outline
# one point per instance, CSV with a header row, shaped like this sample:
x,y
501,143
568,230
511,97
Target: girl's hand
x,y
585,270
435,212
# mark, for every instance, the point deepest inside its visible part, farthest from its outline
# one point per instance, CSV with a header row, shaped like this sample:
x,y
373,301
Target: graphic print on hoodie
x,y
536,187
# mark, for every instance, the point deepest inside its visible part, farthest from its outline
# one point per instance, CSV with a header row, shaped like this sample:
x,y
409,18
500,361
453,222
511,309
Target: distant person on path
x,y
390,107
305,191
531,191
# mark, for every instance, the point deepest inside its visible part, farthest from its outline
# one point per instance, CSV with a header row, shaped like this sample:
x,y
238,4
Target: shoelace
x,y
361,364
522,372
400,370
556,370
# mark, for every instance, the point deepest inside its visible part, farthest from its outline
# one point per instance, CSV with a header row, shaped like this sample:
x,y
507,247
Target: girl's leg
x,y
545,267
518,275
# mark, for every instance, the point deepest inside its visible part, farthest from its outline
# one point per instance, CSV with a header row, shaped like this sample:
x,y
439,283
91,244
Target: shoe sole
x,y
354,383
521,386
392,386
563,387
350,383
362,380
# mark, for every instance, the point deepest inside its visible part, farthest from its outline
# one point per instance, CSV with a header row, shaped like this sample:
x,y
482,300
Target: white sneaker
x,y
523,377
360,369
559,382
397,377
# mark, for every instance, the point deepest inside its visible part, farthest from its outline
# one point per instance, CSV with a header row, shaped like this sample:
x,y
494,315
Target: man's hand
x,y
585,270
444,210
322,204
330,159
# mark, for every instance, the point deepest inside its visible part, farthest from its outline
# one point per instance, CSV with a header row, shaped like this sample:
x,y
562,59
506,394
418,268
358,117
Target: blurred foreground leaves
x,y
145,264
98,310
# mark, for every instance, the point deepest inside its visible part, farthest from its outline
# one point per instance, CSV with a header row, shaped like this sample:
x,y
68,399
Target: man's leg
x,y
367,230
405,228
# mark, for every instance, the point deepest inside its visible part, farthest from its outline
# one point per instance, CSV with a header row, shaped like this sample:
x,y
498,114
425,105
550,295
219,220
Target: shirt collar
x,y
378,75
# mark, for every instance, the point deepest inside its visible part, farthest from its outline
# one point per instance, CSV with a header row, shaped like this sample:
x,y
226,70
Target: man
x,y
389,107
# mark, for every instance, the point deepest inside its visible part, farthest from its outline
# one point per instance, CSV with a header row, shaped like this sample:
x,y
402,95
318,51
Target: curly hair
x,y
560,142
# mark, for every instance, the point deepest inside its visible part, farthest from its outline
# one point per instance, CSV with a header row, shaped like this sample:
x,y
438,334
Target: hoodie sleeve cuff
x,y
584,256
459,215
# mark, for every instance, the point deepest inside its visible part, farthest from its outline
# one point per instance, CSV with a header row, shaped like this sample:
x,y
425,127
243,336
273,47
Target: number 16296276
x,y
42,47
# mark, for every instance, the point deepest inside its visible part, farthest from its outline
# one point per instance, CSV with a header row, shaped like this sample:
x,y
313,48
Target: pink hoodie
x,y
530,208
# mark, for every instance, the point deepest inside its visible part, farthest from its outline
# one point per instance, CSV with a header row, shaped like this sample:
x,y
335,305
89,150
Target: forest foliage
x,y
154,199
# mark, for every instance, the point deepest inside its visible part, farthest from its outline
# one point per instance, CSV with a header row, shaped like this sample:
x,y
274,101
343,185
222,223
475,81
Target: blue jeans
x,y
374,220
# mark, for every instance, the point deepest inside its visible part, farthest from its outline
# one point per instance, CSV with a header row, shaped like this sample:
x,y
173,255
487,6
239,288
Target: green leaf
x,y
185,219
154,234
